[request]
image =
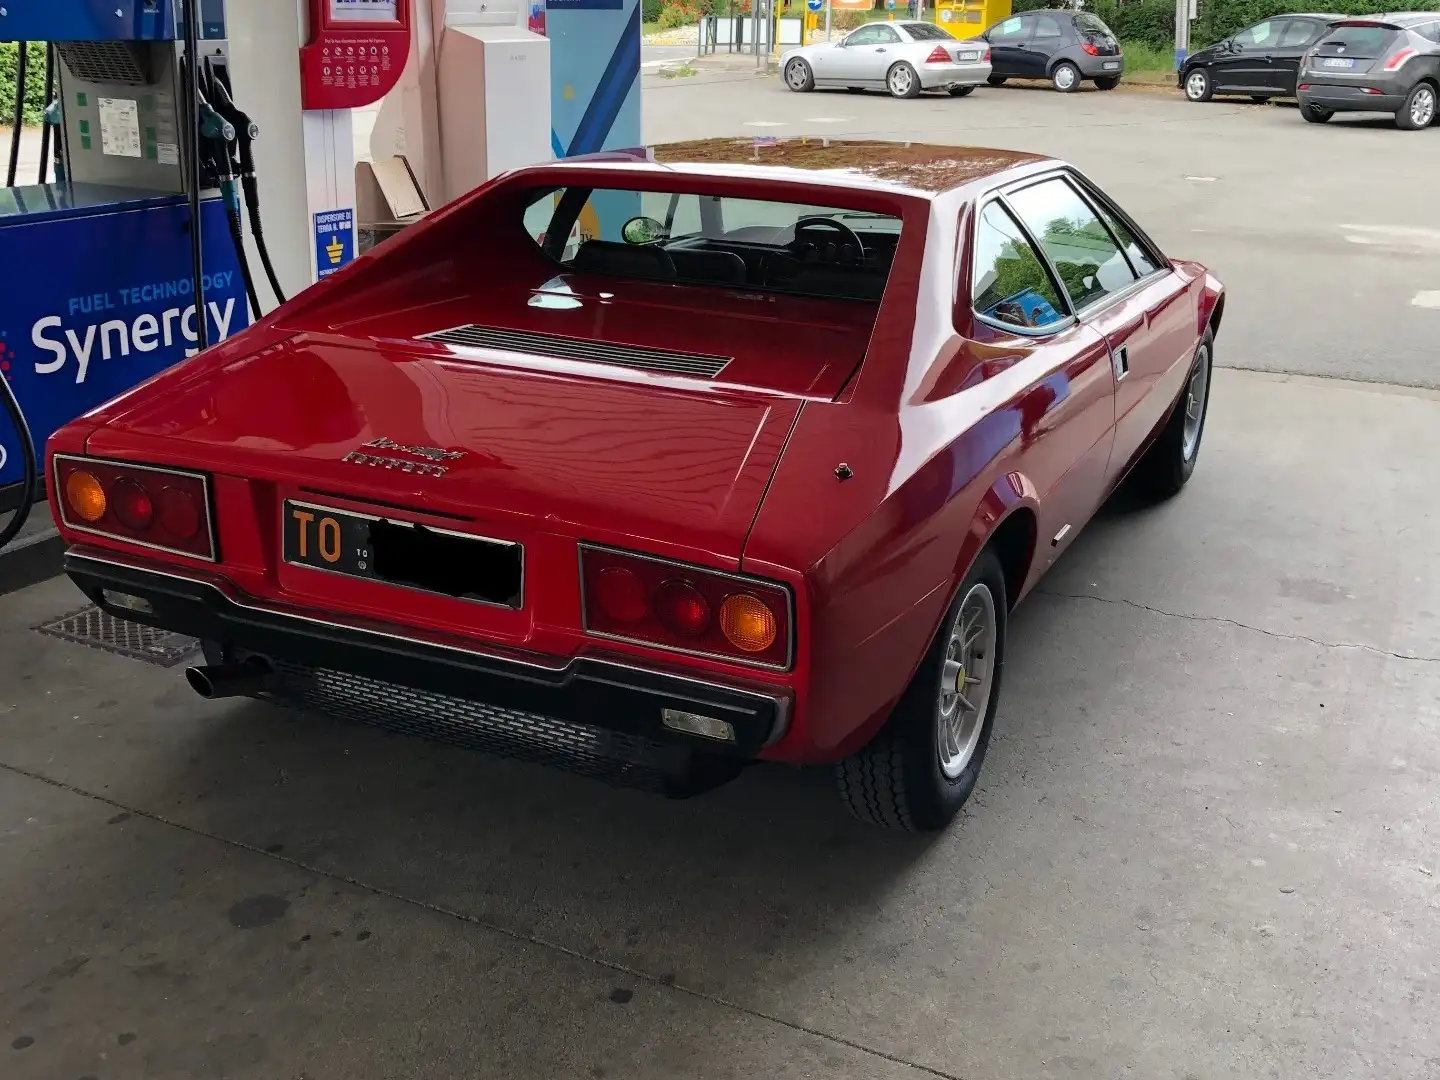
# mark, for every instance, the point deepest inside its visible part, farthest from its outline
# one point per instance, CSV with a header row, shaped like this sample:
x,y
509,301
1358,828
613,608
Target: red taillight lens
x,y
689,609
985,56
938,55
1089,47
132,505
1393,64
161,508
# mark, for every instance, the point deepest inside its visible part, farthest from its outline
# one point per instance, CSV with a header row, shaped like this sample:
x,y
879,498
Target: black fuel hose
x,y
192,133
245,132
17,126
27,458
44,172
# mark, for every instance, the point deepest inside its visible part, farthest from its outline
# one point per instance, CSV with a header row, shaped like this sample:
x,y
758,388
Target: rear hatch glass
x,y
685,238
1093,30
1353,47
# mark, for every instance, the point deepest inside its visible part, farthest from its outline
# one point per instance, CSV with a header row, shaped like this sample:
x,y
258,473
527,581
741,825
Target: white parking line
x,y
828,119
1430,299
764,123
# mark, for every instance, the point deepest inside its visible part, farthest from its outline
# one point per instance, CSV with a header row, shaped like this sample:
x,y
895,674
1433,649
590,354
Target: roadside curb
x,y
29,560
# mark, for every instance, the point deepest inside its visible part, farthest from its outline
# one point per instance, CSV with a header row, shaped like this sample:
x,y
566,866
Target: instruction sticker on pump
x,y
334,241
119,127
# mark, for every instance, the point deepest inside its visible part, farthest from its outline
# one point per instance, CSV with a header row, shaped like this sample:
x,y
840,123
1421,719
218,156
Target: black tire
x,y
1199,87
799,77
1315,114
897,781
1065,77
961,91
1420,108
1166,468
995,80
1260,99
898,72
1107,82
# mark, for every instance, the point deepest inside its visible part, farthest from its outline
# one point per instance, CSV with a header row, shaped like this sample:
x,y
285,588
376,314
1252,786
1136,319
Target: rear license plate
x,y
403,553
1111,65
1337,62
967,56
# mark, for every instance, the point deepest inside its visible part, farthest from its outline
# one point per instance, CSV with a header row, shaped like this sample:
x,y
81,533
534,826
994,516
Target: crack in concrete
x,y
663,982
1280,634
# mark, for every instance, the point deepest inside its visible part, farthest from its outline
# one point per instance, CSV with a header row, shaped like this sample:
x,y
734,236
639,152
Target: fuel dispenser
x,y
108,278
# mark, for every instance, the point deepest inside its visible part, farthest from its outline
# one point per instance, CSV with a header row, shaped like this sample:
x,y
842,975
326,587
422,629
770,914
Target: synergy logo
x,y
139,318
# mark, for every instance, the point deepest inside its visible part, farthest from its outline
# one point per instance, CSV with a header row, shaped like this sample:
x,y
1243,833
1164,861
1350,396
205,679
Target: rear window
x,y
926,32
1092,24
693,239
1366,40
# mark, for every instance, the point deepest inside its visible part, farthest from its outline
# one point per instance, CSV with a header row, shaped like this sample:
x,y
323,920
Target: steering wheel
x,y
808,224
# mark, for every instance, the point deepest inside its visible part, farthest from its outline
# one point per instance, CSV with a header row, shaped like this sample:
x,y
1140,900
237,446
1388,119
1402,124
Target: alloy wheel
x,y
900,79
1196,396
1195,85
967,678
795,75
1422,107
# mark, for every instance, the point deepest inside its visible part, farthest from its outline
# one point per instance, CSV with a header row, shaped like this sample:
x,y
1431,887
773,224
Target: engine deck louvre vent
x,y
638,357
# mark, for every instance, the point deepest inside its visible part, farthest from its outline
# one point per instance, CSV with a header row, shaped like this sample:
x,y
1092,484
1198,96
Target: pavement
x,y
1204,844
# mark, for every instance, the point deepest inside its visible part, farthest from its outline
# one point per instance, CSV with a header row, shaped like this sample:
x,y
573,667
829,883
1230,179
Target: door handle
x,y
881,49
1120,359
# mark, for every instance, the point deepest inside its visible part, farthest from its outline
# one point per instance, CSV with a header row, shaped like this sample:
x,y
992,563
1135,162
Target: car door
x,y
867,55
1296,37
1049,37
1245,66
1008,40
1116,284
1066,413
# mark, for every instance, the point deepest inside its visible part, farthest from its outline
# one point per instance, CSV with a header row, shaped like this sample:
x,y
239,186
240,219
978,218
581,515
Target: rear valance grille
x,y
596,352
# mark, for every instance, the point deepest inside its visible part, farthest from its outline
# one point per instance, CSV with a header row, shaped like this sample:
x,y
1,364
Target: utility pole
x,y
1183,9
827,20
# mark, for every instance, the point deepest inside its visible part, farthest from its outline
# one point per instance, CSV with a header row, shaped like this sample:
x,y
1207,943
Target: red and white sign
x,y
356,53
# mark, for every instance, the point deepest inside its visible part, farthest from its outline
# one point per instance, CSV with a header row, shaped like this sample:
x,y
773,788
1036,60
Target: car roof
x,y
920,168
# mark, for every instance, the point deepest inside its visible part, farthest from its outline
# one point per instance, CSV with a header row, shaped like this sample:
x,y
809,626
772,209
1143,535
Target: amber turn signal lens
x,y
85,496
747,623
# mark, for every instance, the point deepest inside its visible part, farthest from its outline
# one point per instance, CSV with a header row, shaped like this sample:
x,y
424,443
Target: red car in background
x,y
758,475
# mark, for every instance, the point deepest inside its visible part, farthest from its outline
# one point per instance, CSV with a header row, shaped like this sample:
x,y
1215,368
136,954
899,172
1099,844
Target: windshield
x,y
693,239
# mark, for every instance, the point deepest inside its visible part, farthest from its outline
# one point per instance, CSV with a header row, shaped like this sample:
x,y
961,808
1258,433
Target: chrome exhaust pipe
x,y
246,679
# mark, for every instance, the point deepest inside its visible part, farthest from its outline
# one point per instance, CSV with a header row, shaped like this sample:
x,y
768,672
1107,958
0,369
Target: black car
x,y
1261,61
1065,47
1376,63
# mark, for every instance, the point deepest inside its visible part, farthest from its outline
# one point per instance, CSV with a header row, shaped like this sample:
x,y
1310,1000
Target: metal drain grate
x,y
101,630
622,760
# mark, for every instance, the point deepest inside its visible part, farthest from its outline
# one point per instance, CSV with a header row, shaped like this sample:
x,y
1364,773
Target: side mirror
x,y
642,230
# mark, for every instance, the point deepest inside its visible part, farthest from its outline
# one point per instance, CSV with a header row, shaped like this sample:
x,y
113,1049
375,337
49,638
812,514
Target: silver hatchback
x,y
901,57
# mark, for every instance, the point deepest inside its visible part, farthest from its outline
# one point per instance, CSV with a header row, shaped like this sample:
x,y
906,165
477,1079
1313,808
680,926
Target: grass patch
x,y
1148,62
684,71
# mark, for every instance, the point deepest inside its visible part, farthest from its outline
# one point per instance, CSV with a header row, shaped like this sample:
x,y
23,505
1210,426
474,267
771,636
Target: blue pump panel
x,y
89,20
99,298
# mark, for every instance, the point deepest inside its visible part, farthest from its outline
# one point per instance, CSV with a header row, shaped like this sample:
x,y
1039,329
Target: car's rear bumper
x,y
595,691
935,76
1097,67
1360,91
1375,95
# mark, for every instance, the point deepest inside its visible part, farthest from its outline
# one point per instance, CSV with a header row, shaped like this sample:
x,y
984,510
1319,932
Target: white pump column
x,y
474,100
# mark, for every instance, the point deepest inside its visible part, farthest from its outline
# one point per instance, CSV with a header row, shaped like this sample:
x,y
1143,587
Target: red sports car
x,y
656,463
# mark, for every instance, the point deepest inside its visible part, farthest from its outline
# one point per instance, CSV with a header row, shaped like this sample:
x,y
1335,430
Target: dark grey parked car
x,y
1375,63
1064,47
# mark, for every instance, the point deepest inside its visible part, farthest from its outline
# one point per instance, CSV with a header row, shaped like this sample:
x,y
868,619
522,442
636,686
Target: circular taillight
x,y
85,496
620,594
748,623
179,514
683,609
132,505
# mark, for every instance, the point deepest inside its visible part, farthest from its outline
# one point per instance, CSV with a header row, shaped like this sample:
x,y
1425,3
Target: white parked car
x,y
902,57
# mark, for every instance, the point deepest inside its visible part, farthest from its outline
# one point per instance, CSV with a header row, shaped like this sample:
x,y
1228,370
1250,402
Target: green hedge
x,y
34,82
1152,22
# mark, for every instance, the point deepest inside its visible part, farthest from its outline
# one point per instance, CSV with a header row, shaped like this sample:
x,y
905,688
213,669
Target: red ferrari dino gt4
x,y
659,462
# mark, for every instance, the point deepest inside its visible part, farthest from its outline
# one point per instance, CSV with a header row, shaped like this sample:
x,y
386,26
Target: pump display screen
x,y
362,11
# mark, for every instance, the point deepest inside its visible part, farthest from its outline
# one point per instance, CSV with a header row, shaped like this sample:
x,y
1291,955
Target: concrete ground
x,y
1204,844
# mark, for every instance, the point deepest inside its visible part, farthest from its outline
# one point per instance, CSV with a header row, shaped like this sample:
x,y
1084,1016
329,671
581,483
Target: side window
x,y
1430,31
1084,253
1048,27
885,35
866,35
1010,30
1011,284
1255,36
1297,34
